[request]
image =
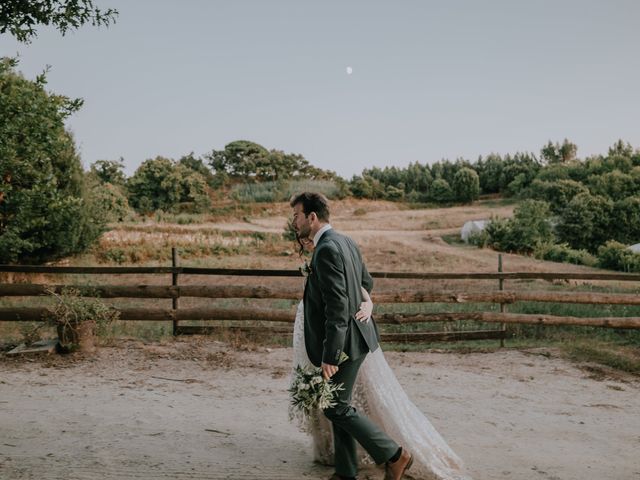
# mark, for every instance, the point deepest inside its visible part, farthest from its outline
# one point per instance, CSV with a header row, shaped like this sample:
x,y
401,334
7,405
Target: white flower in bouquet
x,y
309,391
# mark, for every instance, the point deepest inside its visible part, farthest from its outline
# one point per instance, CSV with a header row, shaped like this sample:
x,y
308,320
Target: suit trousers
x,y
350,426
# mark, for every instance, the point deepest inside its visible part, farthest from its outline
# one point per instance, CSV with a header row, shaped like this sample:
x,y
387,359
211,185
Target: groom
x,y
336,341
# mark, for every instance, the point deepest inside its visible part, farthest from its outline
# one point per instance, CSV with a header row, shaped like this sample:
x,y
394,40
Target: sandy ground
x,y
198,409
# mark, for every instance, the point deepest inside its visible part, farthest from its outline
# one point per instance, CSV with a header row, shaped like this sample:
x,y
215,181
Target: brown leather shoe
x,y
397,469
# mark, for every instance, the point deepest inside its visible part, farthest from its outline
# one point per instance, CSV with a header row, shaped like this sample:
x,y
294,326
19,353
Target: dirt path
x,y
195,409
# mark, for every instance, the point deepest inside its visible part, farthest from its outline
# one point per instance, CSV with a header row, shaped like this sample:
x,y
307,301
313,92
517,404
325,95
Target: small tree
x,y
559,153
366,187
614,185
440,191
394,193
45,212
466,185
621,148
585,222
109,201
149,187
554,172
418,178
619,162
192,188
625,224
359,187
239,159
558,194
530,226
198,165
161,184
525,232
489,172
518,172
109,171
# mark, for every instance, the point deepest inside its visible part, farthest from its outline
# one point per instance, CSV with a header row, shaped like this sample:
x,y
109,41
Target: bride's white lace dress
x,y
378,394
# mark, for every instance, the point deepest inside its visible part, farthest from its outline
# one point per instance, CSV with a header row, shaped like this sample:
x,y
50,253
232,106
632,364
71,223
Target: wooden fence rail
x,y
631,277
242,291
280,315
416,295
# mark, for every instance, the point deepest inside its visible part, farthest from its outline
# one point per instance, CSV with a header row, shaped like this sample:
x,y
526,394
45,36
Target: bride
x,y
378,394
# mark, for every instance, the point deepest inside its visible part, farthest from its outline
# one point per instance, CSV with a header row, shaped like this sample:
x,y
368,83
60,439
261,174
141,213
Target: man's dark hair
x,y
312,202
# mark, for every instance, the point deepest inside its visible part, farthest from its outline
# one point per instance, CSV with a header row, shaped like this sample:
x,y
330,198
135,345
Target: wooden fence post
x,y
174,282
502,305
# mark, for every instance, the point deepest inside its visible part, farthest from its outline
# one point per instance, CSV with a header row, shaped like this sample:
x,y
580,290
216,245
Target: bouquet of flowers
x,y
309,391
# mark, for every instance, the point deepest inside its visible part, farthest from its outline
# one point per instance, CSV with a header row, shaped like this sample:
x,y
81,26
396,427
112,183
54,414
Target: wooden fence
x,y
175,291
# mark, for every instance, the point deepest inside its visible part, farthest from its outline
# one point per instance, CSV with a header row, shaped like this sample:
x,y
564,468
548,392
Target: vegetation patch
x,y
619,357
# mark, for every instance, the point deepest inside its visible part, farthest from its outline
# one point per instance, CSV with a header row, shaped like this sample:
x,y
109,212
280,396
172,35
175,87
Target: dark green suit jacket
x,y
332,296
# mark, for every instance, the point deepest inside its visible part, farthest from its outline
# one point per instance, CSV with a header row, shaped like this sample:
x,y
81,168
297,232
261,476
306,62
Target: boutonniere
x,y
305,269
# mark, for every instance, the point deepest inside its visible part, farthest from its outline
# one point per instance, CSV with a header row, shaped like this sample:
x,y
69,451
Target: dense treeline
x,y
445,182
523,175
575,210
580,211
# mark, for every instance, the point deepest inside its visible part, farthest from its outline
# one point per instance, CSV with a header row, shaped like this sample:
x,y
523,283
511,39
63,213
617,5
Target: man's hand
x,y
328,371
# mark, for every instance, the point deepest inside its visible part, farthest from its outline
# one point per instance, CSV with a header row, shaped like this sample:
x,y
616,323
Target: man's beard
x,y
304,231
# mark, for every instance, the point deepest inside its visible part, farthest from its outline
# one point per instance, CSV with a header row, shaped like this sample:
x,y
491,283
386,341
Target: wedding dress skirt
x,y
378,394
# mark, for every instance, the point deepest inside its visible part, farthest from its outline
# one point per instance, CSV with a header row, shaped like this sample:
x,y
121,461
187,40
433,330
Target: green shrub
x,y
394,193
616,256
479,239
527,230
554,172
557,193
615,185
565,254
110,202
162,184
441,191
498,231
517,173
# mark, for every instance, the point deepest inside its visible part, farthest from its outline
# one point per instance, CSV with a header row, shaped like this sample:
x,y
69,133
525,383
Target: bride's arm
x,y
366,307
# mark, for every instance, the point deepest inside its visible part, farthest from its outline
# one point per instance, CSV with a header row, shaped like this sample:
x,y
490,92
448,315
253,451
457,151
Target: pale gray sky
x,y
430,80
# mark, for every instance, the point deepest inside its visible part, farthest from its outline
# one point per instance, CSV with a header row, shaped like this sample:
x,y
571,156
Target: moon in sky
x,y
349,70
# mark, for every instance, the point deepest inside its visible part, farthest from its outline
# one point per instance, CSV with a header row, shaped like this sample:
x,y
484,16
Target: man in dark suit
x,y
336,341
